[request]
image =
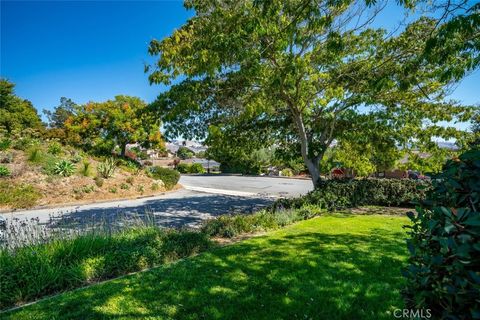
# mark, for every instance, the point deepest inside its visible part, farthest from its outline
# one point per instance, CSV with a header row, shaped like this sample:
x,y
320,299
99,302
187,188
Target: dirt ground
x,y
77,188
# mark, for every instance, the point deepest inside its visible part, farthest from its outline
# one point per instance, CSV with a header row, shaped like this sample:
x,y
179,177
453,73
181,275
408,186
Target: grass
x,y
18,195
38,270
331,267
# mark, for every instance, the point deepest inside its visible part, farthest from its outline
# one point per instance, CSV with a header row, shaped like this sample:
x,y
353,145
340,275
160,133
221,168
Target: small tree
x,y
185,153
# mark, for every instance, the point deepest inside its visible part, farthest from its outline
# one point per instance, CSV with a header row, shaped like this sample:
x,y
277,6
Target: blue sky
x,y
94,50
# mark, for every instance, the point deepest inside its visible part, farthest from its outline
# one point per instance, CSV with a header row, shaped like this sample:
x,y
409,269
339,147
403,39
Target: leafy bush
x,y
18,195
287,172
4,171
38,270
54,148
98,181
124,186
130,180
185,153
341,194
64,168
168,176
183,168
444,265
197,168
113,190
107,168
5,143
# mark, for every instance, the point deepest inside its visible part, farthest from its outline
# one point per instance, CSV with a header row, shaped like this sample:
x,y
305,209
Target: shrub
x,y
64,168
113,189
197,168
183,168
107,168
141,188
85,169
443,272
98,181
18,195
5,143
39,270
4,171
130,180
23,143
232,225
76,158
6,157
155,186
168,176
287,172
54,148
34,154
341,194
124,186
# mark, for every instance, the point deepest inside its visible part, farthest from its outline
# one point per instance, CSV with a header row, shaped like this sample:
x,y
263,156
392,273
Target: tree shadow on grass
x,y
297,276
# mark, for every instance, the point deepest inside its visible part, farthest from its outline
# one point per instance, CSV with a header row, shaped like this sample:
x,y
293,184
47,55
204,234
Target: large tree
x,y
16,114
121,121
311,70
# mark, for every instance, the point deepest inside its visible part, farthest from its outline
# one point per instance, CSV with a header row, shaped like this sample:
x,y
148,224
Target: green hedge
x,y
168,176
341,194
443,274
36,271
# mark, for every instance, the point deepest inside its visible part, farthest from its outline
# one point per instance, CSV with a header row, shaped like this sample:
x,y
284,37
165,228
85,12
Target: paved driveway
x,y
203,197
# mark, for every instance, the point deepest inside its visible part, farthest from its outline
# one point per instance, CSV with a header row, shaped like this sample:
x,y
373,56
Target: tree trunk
x,y
311,161
123,150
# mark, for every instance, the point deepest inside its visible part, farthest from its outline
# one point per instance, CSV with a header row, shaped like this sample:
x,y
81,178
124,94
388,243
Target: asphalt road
x,y
203,197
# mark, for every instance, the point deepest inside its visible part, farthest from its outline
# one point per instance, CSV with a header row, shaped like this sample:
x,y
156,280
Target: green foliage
x,y
35,154
5,143
168,176
4,171
113,190
86,168
196,168
124,120
305,80
341,194
99,181
155,186
233,225
183,167
54,148
334,254
124,186
130,180
64,168
61,113
443,272
36,271
141,188
287,172
18,195
185,153
106,169
16,114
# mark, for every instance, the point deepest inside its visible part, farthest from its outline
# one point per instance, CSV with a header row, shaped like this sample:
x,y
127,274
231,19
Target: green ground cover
x,y
330,267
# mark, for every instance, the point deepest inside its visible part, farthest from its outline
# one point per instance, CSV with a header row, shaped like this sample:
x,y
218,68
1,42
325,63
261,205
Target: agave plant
x,y
64,168
106,169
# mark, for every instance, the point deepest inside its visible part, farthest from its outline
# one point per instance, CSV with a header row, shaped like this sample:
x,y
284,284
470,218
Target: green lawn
x,y
332,267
